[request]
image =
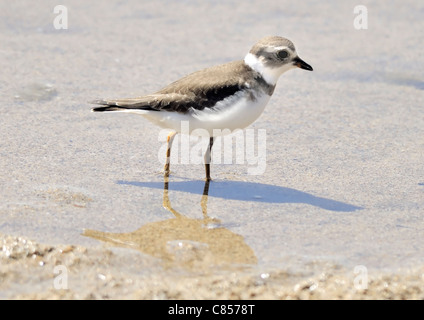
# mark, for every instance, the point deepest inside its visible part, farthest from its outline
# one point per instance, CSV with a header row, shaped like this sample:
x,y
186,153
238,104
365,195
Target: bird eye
x,y
282,54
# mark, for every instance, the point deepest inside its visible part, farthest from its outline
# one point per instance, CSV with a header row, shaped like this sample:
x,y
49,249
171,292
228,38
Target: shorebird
x,y
228,96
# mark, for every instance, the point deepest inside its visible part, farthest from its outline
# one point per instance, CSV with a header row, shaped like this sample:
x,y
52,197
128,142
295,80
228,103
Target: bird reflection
x,y
185,241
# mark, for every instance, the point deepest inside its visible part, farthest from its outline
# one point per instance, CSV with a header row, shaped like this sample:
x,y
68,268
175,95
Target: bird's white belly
x,y
236,112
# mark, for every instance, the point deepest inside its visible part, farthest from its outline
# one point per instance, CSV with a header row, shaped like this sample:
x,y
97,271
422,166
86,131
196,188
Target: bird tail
x,y
105,106
123,105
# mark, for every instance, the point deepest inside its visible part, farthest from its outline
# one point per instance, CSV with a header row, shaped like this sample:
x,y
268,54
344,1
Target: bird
x,y
227,96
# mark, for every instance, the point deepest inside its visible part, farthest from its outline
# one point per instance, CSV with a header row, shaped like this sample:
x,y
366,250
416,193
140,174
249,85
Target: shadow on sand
x,y
250,191
202,243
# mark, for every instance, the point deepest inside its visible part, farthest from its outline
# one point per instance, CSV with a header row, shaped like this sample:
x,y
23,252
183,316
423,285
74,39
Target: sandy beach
x,y
32,271
336,212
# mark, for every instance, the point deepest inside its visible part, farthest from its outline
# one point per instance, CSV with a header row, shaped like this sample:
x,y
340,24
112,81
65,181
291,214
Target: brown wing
x,y
199,90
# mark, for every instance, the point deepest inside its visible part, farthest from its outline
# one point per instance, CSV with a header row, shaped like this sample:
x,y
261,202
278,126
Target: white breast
x,y
235,112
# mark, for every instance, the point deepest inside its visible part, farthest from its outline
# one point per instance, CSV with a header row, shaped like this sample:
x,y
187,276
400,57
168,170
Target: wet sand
x,y
28,272
340,203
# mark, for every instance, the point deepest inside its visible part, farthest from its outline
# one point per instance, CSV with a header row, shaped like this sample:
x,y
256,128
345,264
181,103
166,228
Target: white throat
x,y
270,75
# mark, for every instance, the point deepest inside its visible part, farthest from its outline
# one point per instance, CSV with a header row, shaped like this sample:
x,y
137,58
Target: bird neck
x,y
269,74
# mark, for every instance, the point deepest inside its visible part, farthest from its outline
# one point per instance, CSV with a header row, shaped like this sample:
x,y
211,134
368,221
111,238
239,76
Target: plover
x,y
228,96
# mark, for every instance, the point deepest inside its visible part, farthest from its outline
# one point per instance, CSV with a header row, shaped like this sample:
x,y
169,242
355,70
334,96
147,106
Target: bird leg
x,y
170,139
204,200
207,159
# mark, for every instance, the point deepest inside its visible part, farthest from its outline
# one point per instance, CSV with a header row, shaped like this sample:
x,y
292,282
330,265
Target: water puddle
x,y
36,92
184,241
205,242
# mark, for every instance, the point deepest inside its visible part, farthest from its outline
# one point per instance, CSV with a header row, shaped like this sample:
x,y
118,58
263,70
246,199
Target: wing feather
x,y
199,90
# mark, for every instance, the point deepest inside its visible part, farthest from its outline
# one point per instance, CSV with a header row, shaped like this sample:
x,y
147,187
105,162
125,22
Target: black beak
x,y
301,64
